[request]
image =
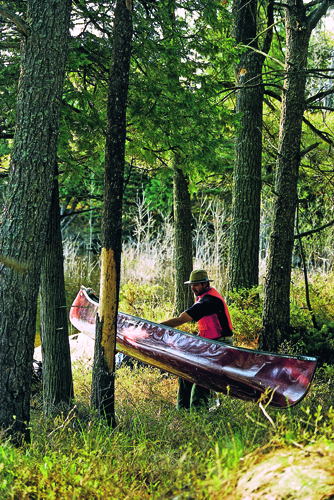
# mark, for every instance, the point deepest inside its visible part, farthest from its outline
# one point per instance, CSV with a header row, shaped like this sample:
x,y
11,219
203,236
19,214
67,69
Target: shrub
x,y
246,315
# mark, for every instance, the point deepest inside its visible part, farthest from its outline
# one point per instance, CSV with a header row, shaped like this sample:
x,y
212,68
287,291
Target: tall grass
x,y
158,453
148,255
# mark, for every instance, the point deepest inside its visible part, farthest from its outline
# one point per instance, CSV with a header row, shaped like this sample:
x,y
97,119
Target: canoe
x,y
280,380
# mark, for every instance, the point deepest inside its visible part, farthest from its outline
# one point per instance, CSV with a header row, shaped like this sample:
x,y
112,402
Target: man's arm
x,y
175,322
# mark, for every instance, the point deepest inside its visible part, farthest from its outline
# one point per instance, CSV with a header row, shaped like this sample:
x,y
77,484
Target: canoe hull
x,y
242,373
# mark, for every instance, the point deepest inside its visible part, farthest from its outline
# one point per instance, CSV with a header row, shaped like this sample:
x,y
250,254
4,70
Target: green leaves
x,y
173,103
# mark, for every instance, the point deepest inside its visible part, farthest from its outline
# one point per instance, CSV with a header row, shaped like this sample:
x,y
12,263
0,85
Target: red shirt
x,y
211,313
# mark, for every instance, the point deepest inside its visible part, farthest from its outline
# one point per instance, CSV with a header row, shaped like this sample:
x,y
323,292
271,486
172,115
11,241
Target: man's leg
x,y
200,396
184,394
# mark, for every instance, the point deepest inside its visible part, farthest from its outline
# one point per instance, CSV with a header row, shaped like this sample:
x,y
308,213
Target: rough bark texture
x,y
27,202
102,395
183,240
57,370
276,308
111,232
243,268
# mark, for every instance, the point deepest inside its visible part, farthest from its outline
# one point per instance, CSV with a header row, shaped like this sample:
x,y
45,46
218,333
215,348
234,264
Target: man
x,y
211,313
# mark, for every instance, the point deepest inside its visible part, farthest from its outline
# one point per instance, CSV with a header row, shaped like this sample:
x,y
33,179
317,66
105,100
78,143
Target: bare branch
x,y
323,135
321,108
313,231
70,214
17,20
320,95
310,148
269,31
280,4
312,4
315,16
10,45
270,93
6,135
264,54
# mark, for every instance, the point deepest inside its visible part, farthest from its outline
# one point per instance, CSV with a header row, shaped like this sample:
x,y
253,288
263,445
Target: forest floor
x,y
237,451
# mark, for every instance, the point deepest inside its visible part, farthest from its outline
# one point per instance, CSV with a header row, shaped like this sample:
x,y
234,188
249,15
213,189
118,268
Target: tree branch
x,y
76,110
6,135
270,93
312,231
280,4
70,214
264,54
310,148
321,108
10,45
307,292
91,18
316,15
323,135
17,20
312,4
319,95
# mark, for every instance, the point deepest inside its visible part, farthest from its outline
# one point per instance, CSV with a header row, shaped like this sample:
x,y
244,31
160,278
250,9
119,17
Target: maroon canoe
x,y
242,373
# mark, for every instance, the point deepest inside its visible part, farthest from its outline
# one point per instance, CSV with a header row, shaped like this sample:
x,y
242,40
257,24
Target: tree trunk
x,y
27,202
243,267
276,307
111,232
57,370
183,239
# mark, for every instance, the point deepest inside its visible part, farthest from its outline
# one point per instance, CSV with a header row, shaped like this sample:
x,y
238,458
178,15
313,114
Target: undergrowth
x,y
157,452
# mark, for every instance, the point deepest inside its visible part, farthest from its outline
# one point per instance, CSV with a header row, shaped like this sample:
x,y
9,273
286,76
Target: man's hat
x,y
199,276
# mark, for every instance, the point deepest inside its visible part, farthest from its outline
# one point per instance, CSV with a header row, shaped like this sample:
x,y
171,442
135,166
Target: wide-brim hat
x,y
199,276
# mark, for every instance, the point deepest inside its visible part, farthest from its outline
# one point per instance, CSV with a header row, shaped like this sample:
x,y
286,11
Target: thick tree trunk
x,y
111,232
27,202
57,370
183,239
276,308
243,268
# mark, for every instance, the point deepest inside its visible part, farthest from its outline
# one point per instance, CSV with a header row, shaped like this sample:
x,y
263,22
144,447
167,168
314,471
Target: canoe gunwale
x,y
88,294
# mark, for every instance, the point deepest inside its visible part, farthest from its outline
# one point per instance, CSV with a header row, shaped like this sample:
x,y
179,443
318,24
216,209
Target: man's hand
x,y
175,322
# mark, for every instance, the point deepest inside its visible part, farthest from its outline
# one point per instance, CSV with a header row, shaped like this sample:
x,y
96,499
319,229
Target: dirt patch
x,y
294,473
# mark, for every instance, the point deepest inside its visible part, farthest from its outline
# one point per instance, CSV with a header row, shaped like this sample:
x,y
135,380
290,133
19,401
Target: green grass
x,y
156,452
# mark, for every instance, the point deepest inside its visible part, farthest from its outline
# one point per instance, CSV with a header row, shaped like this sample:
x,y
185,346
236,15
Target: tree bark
x,y
111,231
183,239
57,370
276,307
243,267
27,202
